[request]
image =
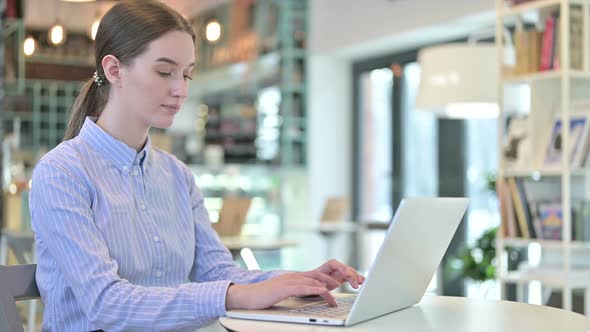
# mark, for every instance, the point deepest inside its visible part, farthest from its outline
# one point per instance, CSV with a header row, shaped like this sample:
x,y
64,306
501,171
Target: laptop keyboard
x,y
324,310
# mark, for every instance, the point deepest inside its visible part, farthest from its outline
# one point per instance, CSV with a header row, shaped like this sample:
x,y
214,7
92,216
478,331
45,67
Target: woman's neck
x,y
122,126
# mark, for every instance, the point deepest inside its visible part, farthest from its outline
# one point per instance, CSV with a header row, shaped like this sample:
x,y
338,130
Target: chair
x,y
17,283
21,244
334,222
335,210
232,216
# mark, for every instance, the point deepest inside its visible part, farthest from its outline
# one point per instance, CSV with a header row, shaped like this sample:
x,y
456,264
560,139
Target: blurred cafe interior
x,y
308,121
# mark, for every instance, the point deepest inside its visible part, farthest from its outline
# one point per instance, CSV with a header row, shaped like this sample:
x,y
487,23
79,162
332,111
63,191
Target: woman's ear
x,y
112,69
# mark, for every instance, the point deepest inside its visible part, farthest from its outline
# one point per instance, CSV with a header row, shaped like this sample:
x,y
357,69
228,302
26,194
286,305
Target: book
x,y
519,208
528,49
516,149
581,220
548,46
528,215
576,41
551,217
506,210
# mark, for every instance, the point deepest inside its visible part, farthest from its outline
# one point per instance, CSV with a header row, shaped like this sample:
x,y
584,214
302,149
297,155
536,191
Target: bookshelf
x,y
251,83
42,112
544,180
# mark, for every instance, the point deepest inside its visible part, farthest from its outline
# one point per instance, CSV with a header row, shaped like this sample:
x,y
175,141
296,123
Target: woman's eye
x,y
188,77
164,74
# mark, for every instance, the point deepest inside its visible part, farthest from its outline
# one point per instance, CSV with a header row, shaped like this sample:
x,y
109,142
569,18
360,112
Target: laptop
x,y
414,245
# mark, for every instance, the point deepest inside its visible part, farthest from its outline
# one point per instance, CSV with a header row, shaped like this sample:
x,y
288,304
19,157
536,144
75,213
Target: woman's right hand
x,y
319,281
266,293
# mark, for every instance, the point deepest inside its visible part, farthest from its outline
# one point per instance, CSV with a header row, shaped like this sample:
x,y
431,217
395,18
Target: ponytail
x,y
89,102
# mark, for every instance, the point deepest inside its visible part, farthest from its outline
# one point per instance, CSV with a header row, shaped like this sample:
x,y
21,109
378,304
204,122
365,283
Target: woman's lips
x,y
171,108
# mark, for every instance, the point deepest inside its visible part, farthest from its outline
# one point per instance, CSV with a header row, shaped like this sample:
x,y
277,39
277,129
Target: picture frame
x,y
578,138
516,149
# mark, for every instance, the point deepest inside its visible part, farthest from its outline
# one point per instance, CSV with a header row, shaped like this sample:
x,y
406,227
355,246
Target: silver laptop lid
x,y
414,245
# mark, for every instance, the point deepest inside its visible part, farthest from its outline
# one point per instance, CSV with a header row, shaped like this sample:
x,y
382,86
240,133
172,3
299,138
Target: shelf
x,y
24,116
536,5
555,244
549,276
545,75
538,173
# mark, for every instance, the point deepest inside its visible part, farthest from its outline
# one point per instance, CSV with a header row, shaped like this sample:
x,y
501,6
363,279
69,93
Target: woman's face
x,y
155,85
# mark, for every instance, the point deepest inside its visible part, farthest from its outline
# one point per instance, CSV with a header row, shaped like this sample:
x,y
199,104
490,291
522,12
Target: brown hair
x,y
124,32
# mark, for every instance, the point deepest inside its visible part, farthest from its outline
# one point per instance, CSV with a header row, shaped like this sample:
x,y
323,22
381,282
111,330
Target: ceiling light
x,y
213,31
94,28
29,46
57,34
459,80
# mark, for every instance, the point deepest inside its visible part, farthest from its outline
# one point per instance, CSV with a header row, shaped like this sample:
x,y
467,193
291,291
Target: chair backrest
x,y
232,216
335,209
20,244
17,283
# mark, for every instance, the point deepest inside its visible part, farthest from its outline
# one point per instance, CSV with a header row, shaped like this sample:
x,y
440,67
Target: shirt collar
x,y
117,152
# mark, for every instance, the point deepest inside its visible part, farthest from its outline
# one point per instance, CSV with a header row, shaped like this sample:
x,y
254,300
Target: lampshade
x,y
459,80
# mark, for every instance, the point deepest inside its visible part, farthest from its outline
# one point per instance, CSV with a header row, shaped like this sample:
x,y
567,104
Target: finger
x,y
306,290
362,278
350,275
330,282
317,288
359,277
329,298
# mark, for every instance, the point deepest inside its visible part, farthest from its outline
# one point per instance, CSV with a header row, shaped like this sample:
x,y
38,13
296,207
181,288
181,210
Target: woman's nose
x,y
180,88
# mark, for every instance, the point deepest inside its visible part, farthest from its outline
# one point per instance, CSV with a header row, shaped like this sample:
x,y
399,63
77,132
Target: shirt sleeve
x,y
62,219
213,261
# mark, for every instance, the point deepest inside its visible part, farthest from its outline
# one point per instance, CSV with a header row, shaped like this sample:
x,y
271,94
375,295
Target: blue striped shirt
x,y
123,240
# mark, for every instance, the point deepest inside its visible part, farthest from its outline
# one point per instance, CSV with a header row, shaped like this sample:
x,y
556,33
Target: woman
x,y
123,239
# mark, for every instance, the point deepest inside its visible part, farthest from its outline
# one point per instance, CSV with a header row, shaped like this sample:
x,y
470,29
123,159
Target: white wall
x,y
343,31
340,25
329,120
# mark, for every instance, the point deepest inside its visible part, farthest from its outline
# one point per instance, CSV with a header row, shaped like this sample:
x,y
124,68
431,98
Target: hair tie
x,y
98,80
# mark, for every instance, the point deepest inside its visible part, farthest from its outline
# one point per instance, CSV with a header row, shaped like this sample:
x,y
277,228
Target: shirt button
x,y
142,206
158,274
125,168
135,172
156,238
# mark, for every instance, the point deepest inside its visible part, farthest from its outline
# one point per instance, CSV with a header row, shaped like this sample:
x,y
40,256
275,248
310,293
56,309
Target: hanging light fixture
x,y
213,30
94,28
459,80
96,21
29,46
57,33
